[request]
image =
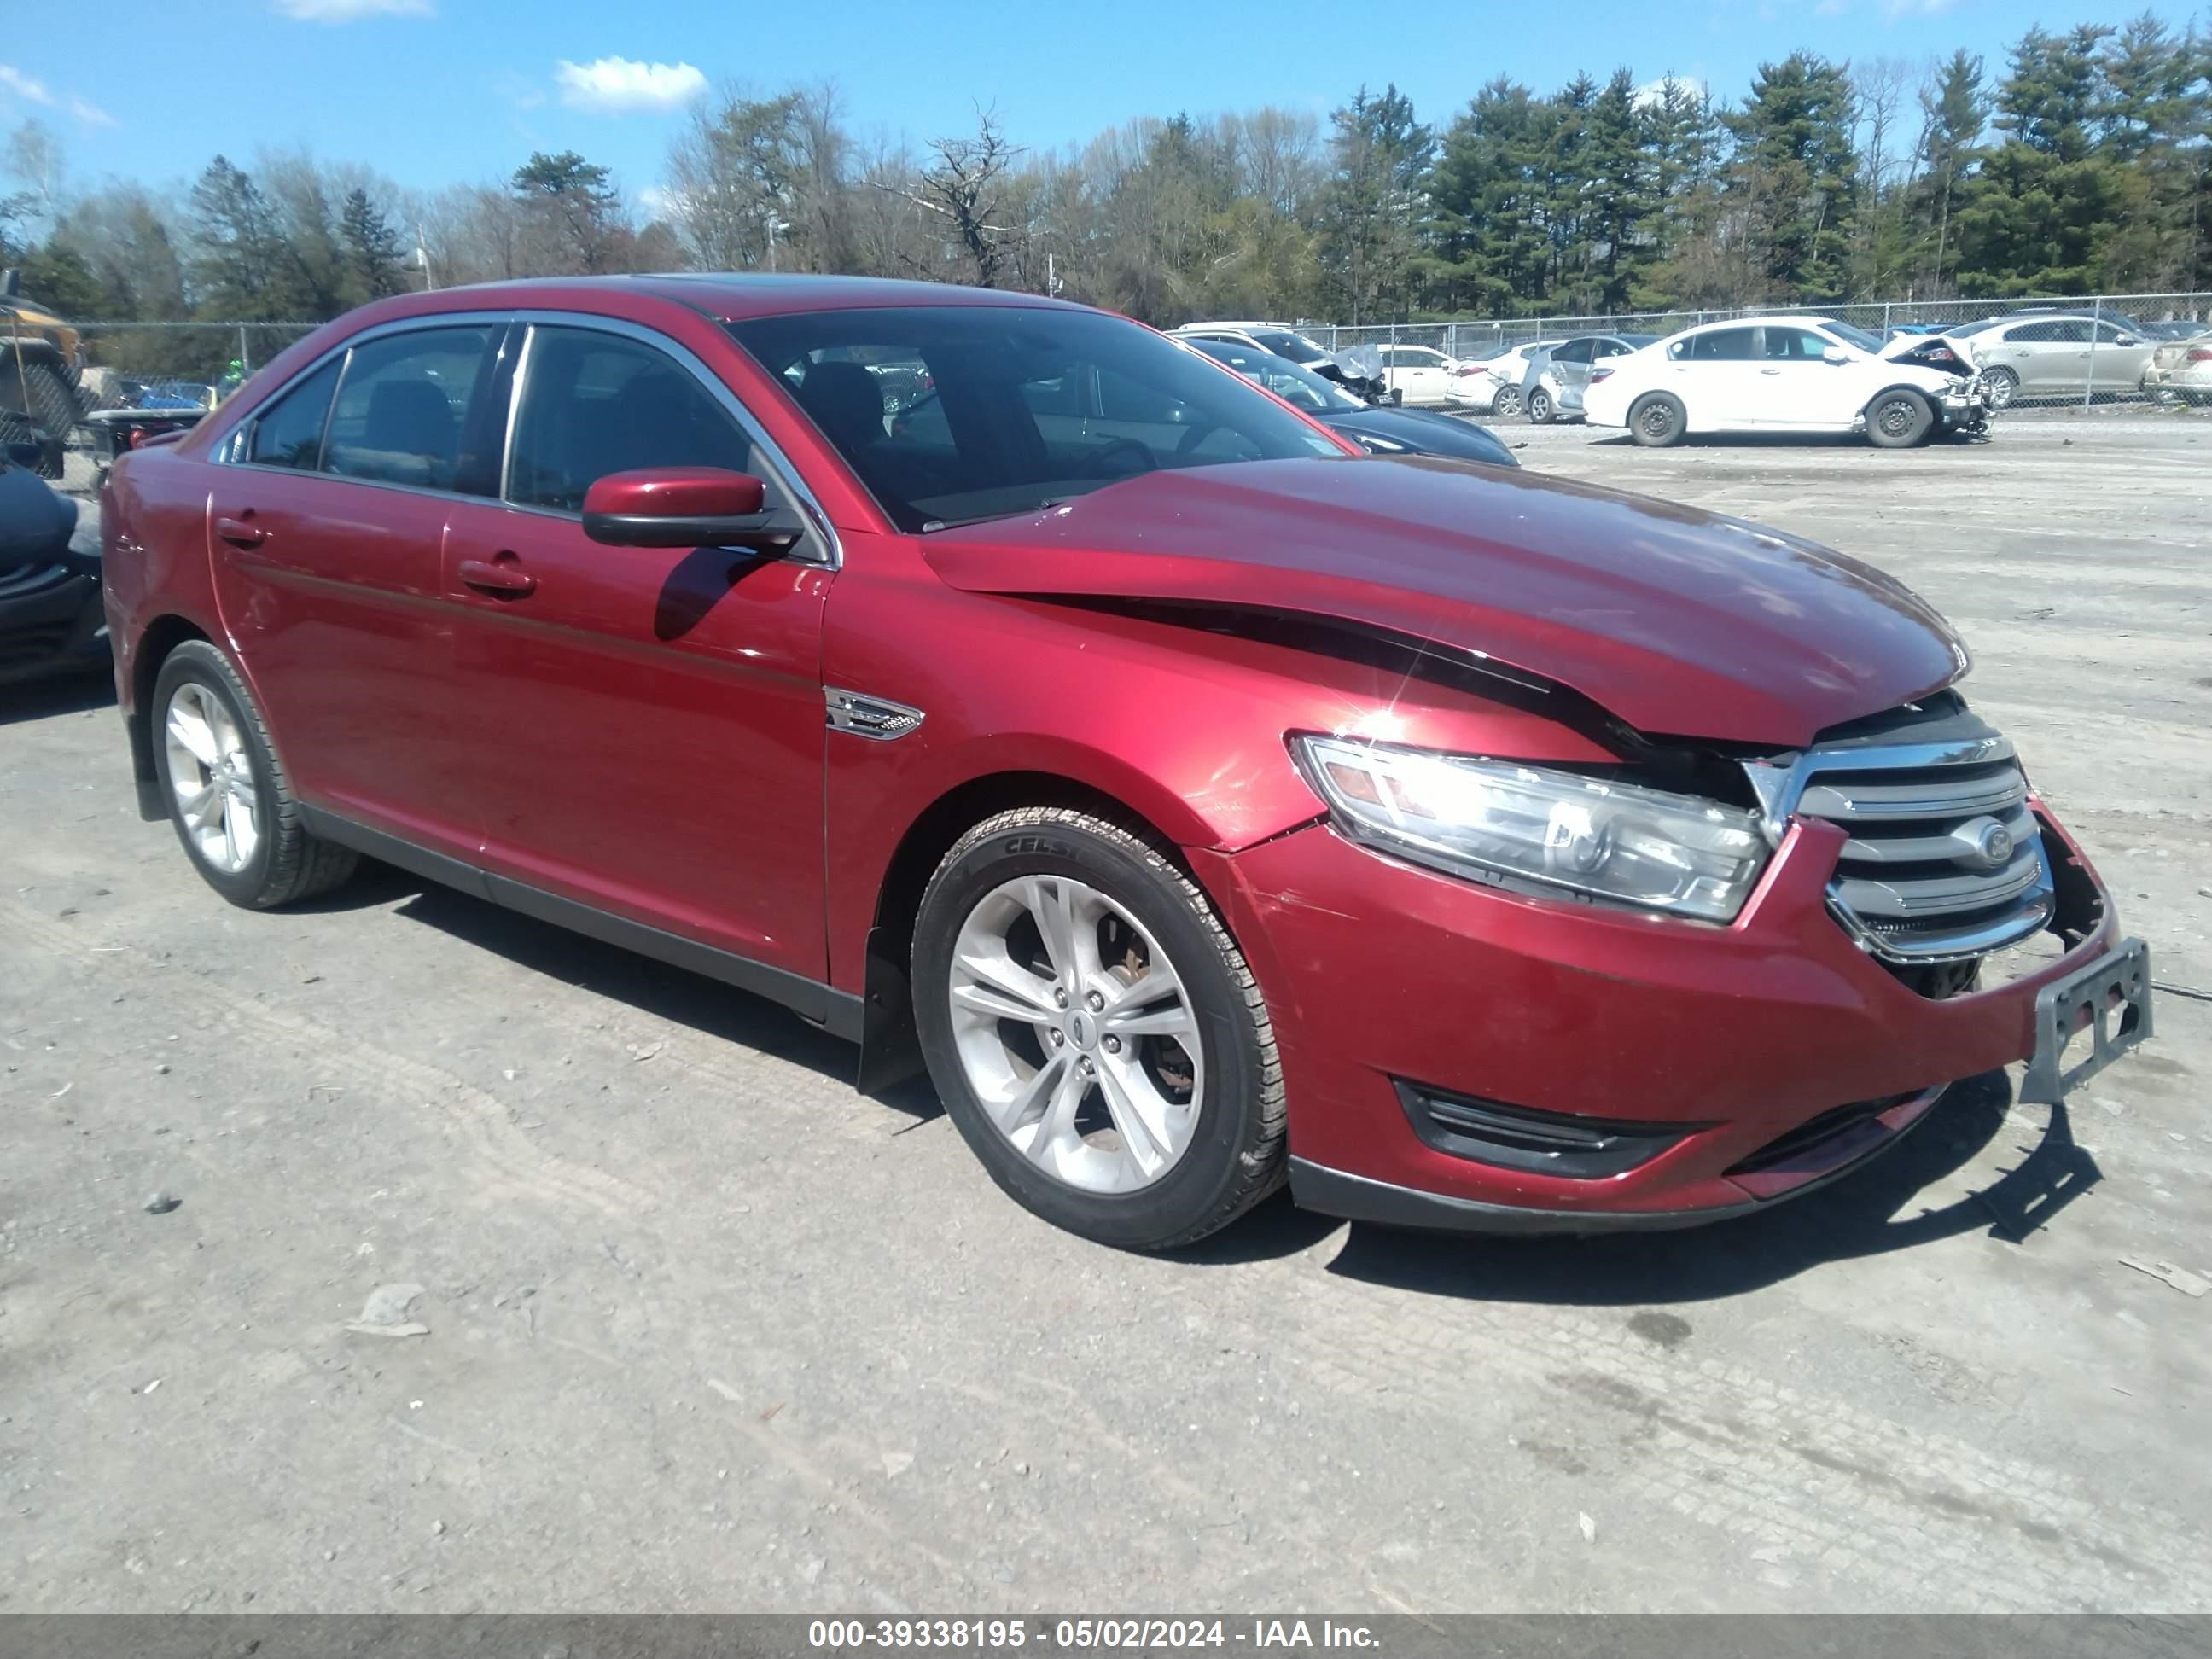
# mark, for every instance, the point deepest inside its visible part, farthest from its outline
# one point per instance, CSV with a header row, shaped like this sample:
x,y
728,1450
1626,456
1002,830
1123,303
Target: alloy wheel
x,y
1076,1034
211,778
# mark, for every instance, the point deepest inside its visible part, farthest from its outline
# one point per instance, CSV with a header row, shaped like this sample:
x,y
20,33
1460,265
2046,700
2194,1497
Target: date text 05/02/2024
x,y
1140,1635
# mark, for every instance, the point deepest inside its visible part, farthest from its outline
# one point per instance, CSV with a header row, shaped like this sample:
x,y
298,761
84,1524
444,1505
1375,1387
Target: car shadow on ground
x,y
676,994
49,699
1868,1212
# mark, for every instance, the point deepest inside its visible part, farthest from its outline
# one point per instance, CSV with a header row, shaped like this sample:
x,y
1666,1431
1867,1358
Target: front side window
x,y
1575,351
289,432
2033,334
594,403
1795,345
403,410
1027,405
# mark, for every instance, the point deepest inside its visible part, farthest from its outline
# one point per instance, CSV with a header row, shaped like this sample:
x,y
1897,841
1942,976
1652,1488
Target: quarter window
x,y
594,404
289,432
403,411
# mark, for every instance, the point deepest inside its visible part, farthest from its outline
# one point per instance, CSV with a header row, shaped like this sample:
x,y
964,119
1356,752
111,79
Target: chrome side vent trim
x,y
864,716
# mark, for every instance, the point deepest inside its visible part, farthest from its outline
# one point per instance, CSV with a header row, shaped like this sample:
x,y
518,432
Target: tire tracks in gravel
x,y
481,1128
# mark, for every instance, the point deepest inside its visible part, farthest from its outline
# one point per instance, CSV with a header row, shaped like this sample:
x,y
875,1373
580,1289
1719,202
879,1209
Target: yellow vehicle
x,y
40,364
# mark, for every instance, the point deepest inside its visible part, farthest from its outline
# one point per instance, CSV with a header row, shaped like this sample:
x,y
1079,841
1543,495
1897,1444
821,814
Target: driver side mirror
x,y
2127,340
686,506
1835,353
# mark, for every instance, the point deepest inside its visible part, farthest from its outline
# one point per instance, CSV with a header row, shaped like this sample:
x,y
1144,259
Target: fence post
x,y
245,360
2089,380
1885,320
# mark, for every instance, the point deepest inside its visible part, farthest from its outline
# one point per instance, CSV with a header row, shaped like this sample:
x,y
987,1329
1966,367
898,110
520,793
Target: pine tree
x,y
373,249
1796,174
1954,110
239,263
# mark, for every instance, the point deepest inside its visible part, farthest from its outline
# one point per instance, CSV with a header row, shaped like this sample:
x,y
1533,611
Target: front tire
x,y
229,799
1899,420
1540,409
1657,420
1094,1031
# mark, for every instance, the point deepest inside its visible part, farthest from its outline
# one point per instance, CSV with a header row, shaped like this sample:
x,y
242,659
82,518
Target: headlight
x,y
1499,819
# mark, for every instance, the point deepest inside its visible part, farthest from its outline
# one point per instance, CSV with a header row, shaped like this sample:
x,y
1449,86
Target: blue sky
x,y
435,92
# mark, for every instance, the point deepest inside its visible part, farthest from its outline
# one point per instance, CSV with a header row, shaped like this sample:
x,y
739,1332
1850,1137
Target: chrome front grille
x,y
1944,861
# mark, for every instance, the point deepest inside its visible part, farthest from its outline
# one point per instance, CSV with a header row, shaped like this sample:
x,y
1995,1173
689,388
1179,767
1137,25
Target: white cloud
x,y
348,11
1647,96
609,84
24,86
90,114
1893,10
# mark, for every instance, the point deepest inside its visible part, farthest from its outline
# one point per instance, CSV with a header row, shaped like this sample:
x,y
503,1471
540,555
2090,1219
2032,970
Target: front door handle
x,y
239,533
504,578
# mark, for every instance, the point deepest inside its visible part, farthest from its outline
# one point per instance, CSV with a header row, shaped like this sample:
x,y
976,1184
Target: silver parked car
x,y
1558,378
2054,355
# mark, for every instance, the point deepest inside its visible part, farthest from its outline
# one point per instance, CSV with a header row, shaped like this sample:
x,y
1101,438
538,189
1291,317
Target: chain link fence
x,y
2123,359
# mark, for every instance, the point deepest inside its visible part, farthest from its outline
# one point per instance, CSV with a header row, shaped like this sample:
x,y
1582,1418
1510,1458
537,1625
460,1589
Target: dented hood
x,y
1678,621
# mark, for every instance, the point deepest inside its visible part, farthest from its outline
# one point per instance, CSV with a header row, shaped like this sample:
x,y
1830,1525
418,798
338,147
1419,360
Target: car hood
x,y
1423,432
1678,621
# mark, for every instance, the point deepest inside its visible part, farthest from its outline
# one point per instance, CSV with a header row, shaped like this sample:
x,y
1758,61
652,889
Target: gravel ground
x,y
708,1330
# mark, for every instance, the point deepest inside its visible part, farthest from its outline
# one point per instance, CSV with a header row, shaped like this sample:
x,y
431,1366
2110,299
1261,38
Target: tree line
x,y
2084,165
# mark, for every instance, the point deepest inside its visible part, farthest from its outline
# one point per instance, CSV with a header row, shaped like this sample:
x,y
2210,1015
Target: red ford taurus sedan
x,y
1201,802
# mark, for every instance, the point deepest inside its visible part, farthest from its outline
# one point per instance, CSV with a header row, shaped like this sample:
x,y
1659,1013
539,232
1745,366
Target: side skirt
x,y
839,1012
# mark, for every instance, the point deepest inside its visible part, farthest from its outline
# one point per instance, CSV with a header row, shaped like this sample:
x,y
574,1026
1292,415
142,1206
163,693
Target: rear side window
x,y
1727,345
403,409
289,432
594,404
1575,351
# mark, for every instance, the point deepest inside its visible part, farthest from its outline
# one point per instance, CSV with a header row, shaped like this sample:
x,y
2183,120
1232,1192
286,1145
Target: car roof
x,y
730,296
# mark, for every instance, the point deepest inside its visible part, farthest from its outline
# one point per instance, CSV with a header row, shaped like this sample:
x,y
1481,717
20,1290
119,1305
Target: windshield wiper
x,y
931,526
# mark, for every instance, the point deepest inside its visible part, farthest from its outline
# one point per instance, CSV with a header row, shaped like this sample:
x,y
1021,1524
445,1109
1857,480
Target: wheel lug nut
x,y
1090,1067
1061,997
1096,1001
1112,1045
1059,1036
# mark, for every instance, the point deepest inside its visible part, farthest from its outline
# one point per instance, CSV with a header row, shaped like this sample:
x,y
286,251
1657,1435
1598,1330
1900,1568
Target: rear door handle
x,y
503,577
1770,371
239,533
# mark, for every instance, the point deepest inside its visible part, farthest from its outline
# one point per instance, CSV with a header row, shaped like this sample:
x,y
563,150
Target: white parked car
x,y
1508,370
1421,375
2182,368
1779,374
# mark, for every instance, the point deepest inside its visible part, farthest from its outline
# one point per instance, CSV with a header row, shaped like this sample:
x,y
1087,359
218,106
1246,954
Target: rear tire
x,y
1507,404
1657,420
1899,420
230,802
2003,386
1541,410
1027,913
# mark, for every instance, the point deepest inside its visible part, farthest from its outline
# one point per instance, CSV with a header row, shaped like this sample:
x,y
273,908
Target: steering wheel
x,y
1096,465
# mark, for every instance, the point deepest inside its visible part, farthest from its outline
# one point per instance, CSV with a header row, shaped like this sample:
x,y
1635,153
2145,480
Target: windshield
x,y
1294,383
1295,347
1024,406
1852,335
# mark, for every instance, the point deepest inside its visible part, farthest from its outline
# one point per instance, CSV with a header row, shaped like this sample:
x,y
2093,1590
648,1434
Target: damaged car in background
x,y
1203,803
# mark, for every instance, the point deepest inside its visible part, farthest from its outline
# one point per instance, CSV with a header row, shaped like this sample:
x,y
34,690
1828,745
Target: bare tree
x,y
964,186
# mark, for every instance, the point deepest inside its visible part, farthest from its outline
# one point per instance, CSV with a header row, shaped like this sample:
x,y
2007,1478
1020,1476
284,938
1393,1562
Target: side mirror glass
x,y
686,506
1835,353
